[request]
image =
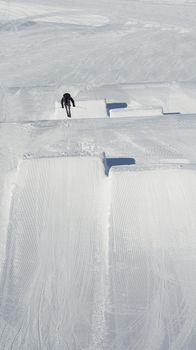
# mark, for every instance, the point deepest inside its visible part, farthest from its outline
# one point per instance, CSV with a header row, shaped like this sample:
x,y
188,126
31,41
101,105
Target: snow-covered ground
x,y
90,43
92,256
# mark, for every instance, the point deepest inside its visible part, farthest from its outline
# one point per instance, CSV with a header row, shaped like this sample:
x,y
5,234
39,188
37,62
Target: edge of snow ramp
x,y
139,112
78,155
108,162
48,155
84,109
119,162
54,280
152,259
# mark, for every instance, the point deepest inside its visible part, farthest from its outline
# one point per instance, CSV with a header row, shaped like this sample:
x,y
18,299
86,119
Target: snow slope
x,y
55,256
90,44
43,103
90,261
111,268
152,257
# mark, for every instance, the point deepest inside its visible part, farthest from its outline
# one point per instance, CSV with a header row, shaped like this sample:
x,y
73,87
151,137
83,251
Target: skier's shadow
x,y
115,105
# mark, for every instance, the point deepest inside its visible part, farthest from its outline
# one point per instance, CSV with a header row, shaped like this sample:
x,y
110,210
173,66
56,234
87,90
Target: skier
x,y
66,103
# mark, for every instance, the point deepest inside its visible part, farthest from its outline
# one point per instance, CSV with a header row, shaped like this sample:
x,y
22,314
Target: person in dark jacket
x,y
66,103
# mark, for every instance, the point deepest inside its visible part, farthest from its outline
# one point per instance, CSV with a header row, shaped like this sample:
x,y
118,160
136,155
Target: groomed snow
x,y
52,283
113,267
152,259
98,258
82,110
147,99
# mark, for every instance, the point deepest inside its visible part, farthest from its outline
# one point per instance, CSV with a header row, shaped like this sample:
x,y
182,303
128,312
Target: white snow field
x,y
90,261
94,256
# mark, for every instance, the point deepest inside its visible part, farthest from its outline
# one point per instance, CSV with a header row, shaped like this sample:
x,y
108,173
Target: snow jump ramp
x,y
53,281
97,262
152,259
84,109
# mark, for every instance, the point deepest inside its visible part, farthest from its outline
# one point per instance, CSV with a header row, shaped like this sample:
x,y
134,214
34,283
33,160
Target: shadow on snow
x,y
115,105
110,162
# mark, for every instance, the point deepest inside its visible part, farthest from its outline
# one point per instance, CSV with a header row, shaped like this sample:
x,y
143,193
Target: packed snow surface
x,y
96,255
94,261
90,43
